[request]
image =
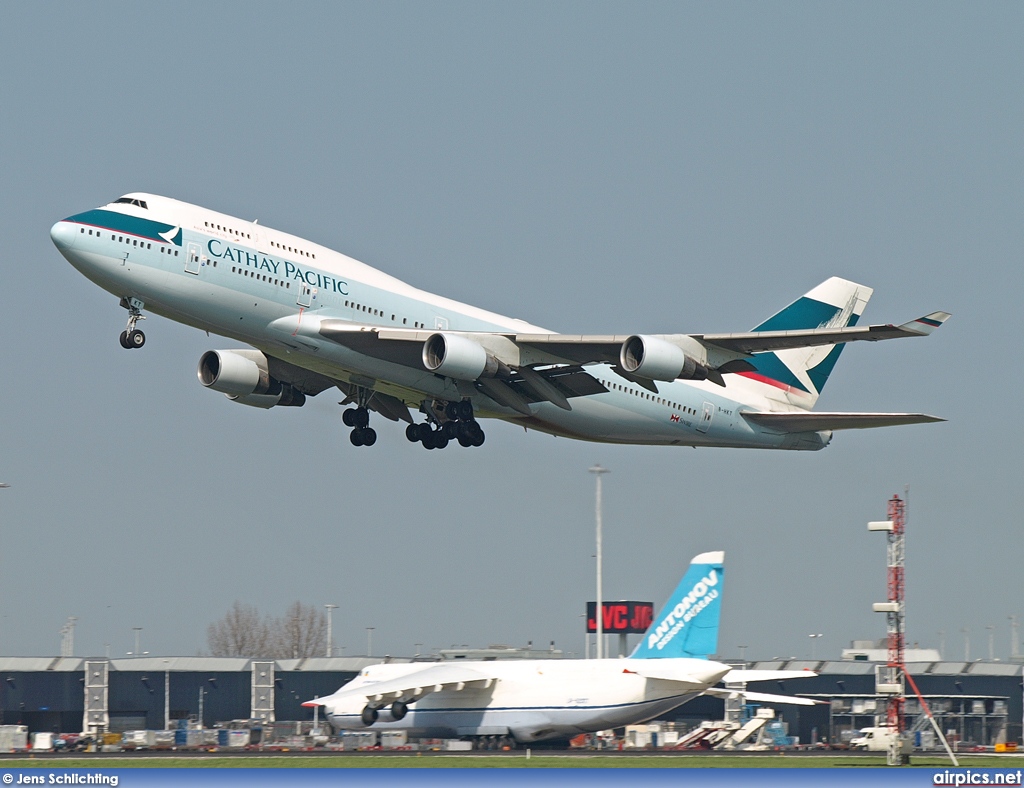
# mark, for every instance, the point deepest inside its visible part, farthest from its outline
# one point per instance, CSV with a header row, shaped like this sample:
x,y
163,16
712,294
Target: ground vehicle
x,y
875,739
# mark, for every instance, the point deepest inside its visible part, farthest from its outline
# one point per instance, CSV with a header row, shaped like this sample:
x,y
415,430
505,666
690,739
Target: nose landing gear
x,y
132,337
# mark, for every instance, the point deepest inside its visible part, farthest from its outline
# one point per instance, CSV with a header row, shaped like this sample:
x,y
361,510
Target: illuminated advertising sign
x,y
626,618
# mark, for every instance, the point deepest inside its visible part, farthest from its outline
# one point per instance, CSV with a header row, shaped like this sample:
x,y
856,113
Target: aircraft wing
x,y
799,421
415,685
641,358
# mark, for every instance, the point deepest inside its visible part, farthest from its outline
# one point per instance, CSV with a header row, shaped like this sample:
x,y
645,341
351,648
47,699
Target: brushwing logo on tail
x,y
703,593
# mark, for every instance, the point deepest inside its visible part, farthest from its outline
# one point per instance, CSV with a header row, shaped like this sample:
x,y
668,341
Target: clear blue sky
x,y
590,167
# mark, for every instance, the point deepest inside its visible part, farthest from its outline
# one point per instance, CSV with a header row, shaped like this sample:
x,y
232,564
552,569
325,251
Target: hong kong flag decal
x,y
674,417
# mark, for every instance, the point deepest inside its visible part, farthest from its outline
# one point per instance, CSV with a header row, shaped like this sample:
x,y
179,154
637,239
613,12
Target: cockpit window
x,y
132,201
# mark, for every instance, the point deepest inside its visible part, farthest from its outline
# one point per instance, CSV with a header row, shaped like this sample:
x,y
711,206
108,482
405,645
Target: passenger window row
x,y
262,277
226,230
652,398
378,313
134,242
293,250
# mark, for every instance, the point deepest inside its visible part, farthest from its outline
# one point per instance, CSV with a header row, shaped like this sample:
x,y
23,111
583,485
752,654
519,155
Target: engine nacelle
x,y
655,359
457,357
285,397
243,376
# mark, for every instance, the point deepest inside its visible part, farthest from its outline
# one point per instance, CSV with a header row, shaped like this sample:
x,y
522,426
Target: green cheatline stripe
x,y
122,223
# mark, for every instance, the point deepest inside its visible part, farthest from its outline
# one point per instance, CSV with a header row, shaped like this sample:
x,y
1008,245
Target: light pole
x,y
4,485
598,472
967,644
942,644
991,642
814,642
1013,636
743,654
330,630
369,641
137,631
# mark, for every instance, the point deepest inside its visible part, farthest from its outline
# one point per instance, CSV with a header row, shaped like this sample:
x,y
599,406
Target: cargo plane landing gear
x,y
446,421
132,337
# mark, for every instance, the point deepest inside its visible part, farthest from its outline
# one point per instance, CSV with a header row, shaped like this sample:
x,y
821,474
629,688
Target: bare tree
x,y
243,632
301,632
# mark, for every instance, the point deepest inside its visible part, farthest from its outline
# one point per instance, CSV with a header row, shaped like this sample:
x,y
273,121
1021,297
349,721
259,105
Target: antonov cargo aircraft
x,y
533,700
315,319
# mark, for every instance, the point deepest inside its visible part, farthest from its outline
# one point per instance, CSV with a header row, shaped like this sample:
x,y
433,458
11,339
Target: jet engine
x,y
456,357
243,376
655,359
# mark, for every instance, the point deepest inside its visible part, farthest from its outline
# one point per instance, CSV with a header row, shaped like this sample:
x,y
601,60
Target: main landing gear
x,y
132,337
359,419
447,422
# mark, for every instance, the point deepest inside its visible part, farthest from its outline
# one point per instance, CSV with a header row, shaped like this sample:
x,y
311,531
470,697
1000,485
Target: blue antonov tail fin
x,y
687,625
802,372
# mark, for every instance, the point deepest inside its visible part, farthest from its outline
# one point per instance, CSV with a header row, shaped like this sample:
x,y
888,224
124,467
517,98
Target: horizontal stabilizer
x,y
815,422
737,675
760,697
761,341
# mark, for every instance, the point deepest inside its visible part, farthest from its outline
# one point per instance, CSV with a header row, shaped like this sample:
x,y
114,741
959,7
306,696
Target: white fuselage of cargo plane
x,y
531,700
318,318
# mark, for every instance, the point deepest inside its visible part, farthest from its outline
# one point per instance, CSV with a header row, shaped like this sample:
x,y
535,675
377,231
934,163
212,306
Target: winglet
x,y
925,325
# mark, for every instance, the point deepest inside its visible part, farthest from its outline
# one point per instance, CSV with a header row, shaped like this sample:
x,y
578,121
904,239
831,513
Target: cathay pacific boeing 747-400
x,y
314,319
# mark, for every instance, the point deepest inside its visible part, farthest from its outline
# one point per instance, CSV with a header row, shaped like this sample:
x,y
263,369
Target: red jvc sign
x,y
627,618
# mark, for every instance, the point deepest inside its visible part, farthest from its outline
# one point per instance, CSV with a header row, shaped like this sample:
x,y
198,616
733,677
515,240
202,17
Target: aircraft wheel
x,y
424,432
124,340
477,436
412,433
465,441
348,417
450,430
136,339
466,410
440,440
356,436
451,410
369,716
361,417
369,436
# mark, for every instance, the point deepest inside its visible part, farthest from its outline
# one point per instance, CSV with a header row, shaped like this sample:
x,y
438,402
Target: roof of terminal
x,y
210,664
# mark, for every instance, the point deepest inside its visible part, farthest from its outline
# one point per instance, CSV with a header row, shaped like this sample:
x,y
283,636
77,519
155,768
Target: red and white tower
x,y
892,677
895,627
889,680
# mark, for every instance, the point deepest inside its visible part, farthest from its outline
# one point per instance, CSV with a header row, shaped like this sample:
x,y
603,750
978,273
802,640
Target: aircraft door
x,y
705,417
307,295
193,259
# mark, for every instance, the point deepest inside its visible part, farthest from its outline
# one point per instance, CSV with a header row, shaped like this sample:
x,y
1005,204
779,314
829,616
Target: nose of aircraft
x,y
63,235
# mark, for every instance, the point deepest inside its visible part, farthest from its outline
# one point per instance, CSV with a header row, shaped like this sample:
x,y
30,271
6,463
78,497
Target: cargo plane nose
x,y
63,235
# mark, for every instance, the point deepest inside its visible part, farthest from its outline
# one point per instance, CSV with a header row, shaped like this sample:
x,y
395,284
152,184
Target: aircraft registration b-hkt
x,y
315,319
